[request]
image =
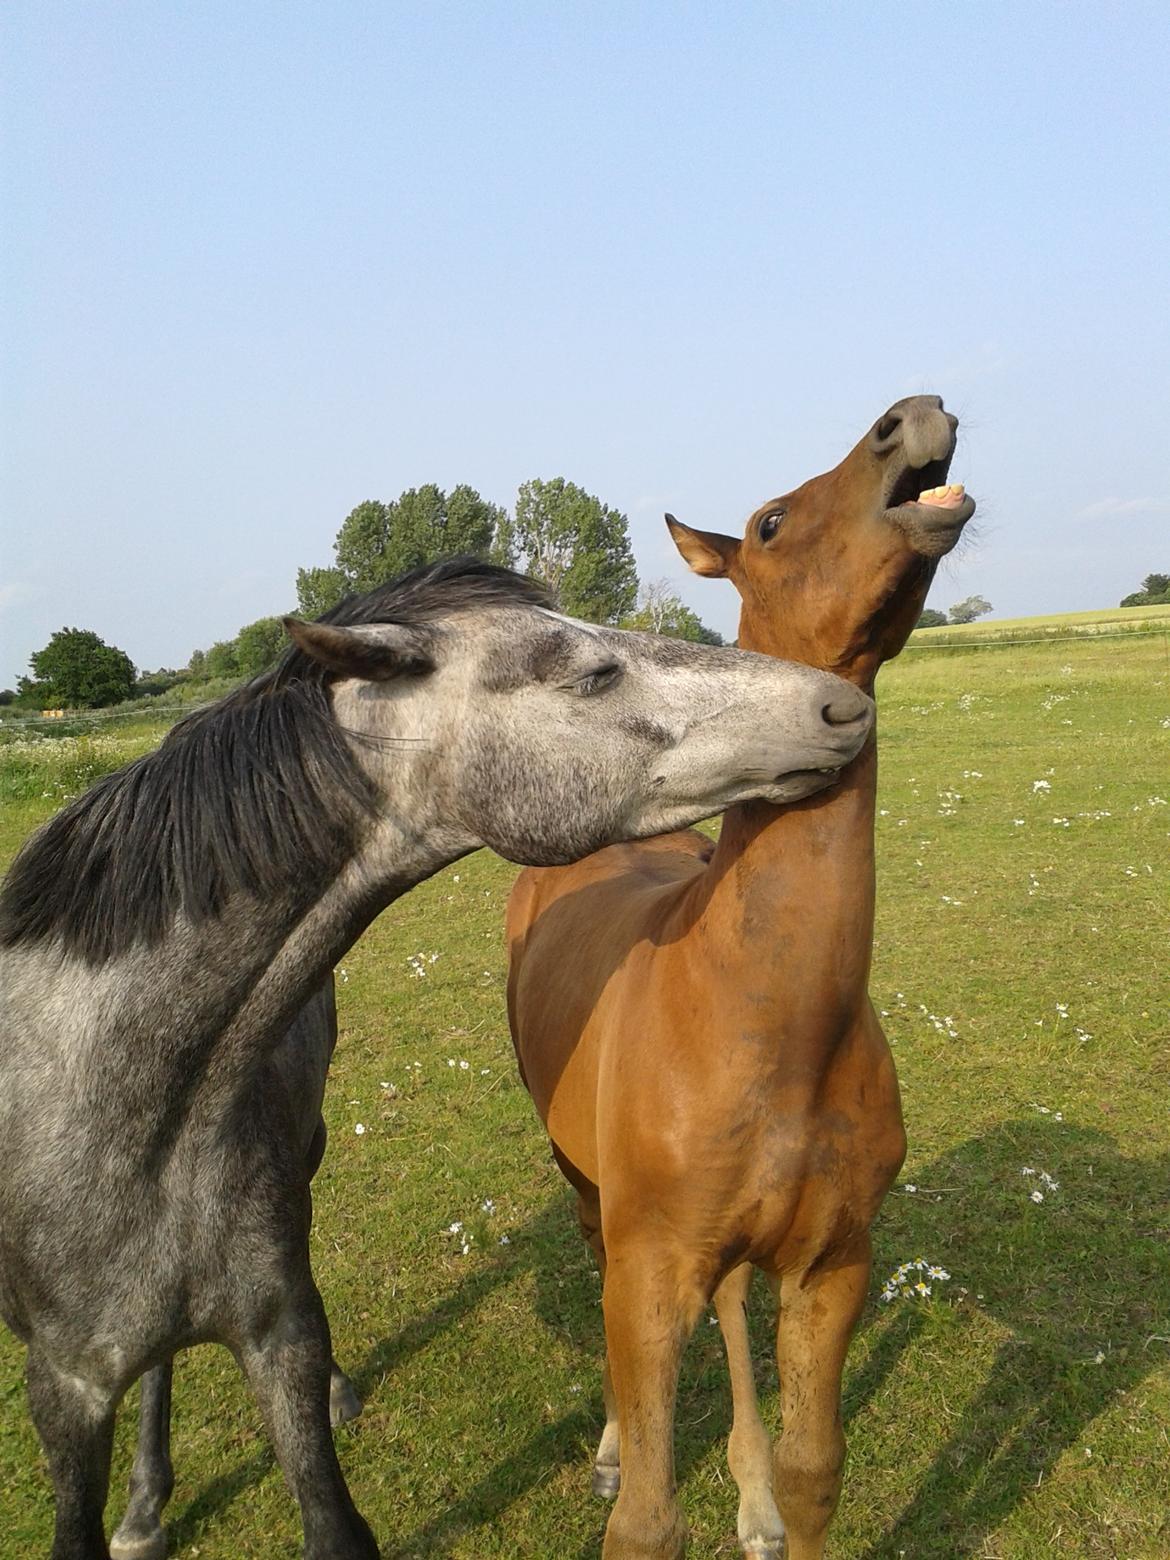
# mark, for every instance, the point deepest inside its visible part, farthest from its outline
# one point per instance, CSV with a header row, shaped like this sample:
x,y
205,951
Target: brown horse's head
x,y
835,573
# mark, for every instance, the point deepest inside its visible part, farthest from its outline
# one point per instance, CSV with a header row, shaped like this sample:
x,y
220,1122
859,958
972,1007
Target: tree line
x,y
965,611
557,532
1154,592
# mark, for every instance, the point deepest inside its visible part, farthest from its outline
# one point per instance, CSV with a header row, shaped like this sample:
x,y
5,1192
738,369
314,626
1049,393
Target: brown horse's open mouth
x,y
930,511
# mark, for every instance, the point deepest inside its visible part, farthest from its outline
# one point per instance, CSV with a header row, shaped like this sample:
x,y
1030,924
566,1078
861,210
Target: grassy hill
x,y
1106,620
1021,1413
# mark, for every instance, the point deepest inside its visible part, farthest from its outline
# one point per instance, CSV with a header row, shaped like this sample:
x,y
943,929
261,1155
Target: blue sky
x,y
264,261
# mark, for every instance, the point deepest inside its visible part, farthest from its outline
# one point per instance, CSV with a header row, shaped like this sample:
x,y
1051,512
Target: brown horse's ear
x,y
707,552
375,652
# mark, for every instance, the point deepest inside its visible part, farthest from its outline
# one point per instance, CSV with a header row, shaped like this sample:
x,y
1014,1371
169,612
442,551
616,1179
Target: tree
x,y
931,619
318,590
147,685
1155,592
378,541
197,665
33,695
79,670
7,696
258,644
579,546
970,609
661,611
221,659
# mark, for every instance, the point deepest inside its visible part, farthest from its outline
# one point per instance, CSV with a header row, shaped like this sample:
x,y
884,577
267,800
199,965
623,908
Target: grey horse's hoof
x,y
607,1480
344,1403
139,1546
765,1551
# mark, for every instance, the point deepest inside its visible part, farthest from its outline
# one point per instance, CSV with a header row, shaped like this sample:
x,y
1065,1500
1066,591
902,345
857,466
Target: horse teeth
x,y
942,495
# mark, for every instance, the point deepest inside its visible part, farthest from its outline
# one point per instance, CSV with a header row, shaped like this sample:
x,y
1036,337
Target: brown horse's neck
x,y
791,904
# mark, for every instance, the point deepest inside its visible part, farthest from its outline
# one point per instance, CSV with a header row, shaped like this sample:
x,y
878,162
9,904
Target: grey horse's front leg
x,y
344,1403
75,1421
140,1534
287,1362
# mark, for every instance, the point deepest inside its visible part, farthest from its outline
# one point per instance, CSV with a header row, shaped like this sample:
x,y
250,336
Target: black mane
x,y
252,794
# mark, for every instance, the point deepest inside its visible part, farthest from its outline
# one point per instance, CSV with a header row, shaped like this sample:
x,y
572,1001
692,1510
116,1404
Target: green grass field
x,y
1022,1412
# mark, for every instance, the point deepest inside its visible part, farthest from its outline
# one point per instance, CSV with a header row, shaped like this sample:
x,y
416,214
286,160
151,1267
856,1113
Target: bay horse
x,y
694,1026
159,936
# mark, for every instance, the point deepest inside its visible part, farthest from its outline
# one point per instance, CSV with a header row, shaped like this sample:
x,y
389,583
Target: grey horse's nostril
x,y
844,711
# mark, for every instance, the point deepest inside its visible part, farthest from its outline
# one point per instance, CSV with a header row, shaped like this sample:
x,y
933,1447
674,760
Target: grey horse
x,y
159,936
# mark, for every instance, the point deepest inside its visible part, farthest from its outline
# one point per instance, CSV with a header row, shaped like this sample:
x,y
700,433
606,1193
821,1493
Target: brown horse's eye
x,y
770,524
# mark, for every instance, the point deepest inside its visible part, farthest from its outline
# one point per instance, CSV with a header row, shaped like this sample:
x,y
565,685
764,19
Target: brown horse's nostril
x,y
845,710
887,427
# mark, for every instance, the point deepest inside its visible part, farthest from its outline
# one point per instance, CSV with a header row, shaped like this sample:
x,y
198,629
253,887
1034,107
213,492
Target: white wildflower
x,y
902,1283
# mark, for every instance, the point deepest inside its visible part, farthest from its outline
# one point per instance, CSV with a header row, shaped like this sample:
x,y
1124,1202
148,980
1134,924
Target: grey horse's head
x,y
505,724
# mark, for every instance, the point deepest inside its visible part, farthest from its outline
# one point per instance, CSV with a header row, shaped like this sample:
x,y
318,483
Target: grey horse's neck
x,y
300,952
222,992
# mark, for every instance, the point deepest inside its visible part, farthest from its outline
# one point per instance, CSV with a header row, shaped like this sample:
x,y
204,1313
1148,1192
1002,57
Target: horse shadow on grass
x,y
1082,1274
1081,1282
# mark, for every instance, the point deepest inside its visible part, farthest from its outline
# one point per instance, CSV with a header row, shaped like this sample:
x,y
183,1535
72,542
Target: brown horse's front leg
x,y
817,1318
651,1306
606,1469
749,1447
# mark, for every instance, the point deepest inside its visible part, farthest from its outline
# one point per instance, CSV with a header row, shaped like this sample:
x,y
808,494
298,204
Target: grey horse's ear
x,y
707,552
376,652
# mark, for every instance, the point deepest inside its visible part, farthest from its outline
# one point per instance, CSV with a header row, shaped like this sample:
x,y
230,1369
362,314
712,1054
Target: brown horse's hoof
x,y
607,1480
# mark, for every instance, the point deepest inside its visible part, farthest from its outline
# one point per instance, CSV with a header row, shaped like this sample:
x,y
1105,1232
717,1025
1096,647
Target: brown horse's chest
x,y
823,1179
817,1160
